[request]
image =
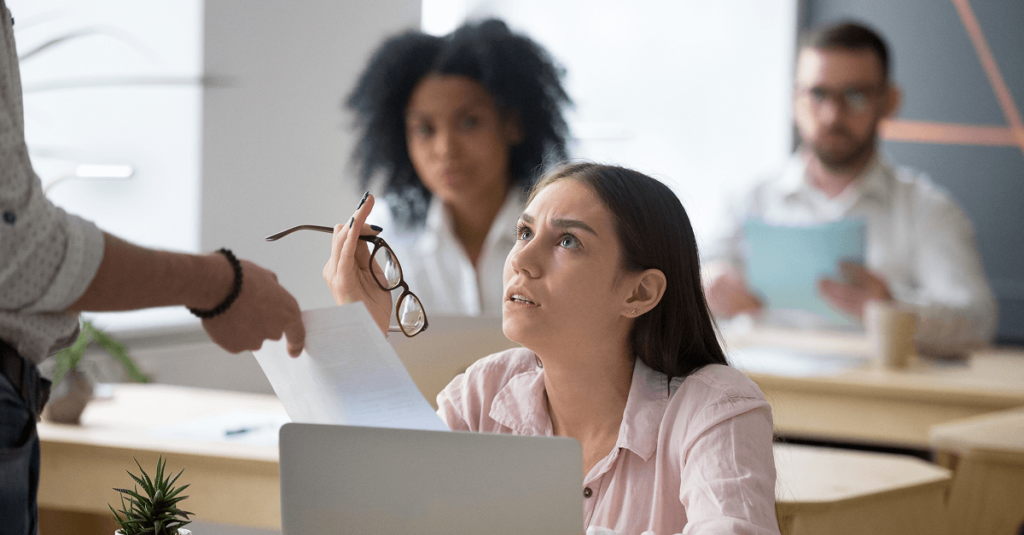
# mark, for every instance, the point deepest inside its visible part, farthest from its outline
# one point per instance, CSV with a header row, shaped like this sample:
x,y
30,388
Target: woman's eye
x,y
469,122
569,241
422,130
523,233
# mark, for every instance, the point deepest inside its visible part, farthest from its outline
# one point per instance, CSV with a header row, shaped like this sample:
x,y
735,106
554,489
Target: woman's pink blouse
x,y
694,455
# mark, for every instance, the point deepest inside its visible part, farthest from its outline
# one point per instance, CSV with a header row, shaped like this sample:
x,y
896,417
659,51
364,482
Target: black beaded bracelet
x,y
236,288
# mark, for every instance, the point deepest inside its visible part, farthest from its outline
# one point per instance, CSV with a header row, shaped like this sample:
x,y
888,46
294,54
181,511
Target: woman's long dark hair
x,y
678,336
516,71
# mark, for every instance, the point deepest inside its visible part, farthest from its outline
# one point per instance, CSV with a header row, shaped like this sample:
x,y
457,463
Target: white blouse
x,y
438,269
918,239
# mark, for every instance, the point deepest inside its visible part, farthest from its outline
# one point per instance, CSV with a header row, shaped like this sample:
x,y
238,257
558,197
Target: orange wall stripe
x,y
950,134
988,62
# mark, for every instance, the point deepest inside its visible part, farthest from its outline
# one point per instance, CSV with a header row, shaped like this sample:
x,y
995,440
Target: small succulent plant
x,y
155,510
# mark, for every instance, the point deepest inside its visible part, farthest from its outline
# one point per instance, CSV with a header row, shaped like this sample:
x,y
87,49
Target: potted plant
x,y
72,389
154,511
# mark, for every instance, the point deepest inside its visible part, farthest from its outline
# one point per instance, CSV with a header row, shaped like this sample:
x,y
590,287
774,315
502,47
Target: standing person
x,y
53,265
457,126
603,290
921,251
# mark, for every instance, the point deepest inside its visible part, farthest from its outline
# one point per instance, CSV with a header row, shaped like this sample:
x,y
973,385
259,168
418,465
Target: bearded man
x,y
921,252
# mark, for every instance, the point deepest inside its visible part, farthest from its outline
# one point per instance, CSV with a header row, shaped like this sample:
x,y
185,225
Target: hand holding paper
x,y
859,286
785,263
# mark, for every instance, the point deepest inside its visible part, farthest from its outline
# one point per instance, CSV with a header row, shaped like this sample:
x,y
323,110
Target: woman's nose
x,y
525,260
445,143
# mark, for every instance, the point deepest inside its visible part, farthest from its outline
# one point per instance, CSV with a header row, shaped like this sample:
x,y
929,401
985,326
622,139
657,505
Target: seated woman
x,y
457,126
603,290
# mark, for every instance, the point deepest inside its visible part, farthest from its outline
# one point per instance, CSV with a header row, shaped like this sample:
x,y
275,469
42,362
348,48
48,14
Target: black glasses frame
x,y
377,242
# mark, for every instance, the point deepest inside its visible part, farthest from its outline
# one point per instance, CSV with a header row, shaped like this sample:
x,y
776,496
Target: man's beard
x,y
839,161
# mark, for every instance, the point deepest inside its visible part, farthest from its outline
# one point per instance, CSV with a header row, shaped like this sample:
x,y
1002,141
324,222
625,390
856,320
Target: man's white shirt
x,y
918,239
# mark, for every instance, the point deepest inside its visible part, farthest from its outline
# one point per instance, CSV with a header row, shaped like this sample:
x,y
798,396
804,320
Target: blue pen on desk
x,y
239,431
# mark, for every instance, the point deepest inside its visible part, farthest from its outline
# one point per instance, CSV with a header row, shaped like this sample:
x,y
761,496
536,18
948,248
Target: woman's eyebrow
x,y
562,223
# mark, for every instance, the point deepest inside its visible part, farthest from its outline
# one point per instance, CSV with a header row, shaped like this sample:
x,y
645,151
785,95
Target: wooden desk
x,y
875,406
239,484
839,492
987,455
230,483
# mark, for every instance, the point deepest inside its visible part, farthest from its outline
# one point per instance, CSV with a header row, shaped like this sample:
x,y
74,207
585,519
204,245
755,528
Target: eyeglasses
x,y
854,99
412,319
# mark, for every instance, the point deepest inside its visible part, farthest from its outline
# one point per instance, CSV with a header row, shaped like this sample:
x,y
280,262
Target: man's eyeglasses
x,y
854,99
412,319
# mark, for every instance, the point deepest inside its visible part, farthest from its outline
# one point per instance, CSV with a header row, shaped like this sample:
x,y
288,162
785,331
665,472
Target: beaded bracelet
x,y
236,288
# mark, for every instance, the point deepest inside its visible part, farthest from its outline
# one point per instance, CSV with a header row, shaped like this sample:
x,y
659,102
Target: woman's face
x,y
563,283
458,139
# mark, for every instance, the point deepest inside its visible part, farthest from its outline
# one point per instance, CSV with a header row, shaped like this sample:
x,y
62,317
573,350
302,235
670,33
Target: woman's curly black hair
x,y
515,70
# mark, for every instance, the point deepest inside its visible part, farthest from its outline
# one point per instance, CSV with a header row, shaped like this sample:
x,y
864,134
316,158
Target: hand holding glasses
x,y
412,319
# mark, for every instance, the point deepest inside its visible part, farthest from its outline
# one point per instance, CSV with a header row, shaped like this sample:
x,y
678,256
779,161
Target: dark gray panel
x,y
988,182
1003,26
932,55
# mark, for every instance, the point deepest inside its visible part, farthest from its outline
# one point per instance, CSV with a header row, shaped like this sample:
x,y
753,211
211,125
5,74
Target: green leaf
x,y
69,357
141,482
117,350
148,487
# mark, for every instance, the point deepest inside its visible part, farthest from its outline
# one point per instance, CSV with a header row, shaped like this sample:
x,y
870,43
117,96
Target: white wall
x,y
696,93
127,93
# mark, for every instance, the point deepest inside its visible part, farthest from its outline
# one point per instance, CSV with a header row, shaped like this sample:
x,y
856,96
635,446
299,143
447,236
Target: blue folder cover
x,y
784,263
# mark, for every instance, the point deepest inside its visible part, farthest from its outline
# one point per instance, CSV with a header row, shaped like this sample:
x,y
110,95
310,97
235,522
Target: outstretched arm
x,y
132,277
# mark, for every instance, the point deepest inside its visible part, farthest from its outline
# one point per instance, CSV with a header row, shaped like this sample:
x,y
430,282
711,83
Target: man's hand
x,y
728,296
264,310
860,287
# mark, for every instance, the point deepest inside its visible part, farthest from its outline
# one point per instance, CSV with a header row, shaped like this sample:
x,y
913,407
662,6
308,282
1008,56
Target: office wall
x,y
276,142
954,124
696,94
119,84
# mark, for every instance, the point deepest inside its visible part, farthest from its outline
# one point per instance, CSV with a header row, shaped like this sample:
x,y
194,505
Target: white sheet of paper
x,y
236,427
347,375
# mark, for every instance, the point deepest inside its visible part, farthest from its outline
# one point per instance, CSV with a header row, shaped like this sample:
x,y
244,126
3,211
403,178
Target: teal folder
x,y
784,264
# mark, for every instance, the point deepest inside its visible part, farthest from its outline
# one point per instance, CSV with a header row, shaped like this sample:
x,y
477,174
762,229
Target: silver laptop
x,y
368,480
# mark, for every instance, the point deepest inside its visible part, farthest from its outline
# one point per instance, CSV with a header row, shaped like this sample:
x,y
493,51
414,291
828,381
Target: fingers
x,y
352,246
845,297
295,332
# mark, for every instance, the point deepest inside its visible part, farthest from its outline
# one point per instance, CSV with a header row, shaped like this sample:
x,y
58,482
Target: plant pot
x,y
69,398
181,531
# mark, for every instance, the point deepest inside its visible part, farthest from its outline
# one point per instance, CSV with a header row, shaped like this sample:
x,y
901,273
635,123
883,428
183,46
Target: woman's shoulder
x,y
718,380
713,394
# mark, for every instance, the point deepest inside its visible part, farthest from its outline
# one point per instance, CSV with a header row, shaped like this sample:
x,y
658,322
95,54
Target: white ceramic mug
x,y
890,330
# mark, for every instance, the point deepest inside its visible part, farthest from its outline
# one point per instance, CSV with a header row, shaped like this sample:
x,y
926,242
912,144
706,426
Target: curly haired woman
x,y
457,127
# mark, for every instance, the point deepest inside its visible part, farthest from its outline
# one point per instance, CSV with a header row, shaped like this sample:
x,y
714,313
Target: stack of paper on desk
x,y
347,375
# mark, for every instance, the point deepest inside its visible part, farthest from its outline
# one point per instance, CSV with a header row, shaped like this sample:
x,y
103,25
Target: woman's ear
x,y
648,287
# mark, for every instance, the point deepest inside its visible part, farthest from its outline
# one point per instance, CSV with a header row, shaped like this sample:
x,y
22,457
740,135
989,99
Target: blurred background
x,y
228,113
